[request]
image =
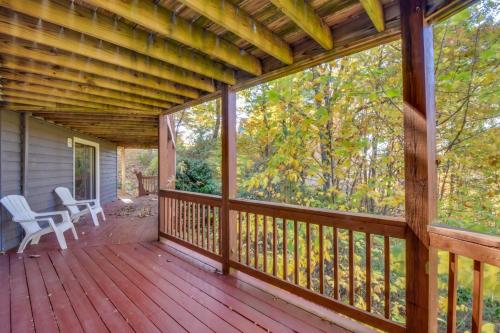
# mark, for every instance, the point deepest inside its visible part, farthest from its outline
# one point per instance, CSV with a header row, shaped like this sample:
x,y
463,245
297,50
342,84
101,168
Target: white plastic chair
x,y
21,213
91,206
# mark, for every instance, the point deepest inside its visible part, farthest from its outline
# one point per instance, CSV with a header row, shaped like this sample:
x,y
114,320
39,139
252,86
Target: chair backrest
x,y
20,210
67,199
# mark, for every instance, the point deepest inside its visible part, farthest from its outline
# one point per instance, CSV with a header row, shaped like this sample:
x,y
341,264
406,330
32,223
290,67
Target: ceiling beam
x,y
69,41
301,12
55,91
98,68
30,68
160,20
375,11
54,102
80,88
29,105
83,20
234,19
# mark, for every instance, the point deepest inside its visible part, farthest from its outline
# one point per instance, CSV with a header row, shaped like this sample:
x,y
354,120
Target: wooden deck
x,y
117,278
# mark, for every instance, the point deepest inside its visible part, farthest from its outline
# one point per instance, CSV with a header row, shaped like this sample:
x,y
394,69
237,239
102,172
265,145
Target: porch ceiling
x,y
110,67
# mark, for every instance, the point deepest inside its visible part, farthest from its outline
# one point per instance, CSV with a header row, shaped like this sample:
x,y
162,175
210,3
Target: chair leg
x,y
94,218
35,240
73,230
23,244
61,239
103,216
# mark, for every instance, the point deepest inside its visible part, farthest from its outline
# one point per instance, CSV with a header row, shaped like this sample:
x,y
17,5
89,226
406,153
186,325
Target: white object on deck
x,y
91,206
21,213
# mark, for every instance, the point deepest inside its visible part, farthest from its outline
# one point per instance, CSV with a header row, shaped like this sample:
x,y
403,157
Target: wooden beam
x,y
420,162
375,11
69,41
65,97
43,103
301,12
228,175
160,20
80,88
53,91
234,19
41,107
83,20
157,89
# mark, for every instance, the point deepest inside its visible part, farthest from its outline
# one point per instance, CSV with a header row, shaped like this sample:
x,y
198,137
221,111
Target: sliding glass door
x,y
85,172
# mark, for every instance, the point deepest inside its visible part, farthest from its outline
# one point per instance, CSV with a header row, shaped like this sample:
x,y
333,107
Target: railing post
x,y
166,163
420,162
228,140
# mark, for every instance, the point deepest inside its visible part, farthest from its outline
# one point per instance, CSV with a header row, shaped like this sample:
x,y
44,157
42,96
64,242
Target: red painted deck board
x,y
117,278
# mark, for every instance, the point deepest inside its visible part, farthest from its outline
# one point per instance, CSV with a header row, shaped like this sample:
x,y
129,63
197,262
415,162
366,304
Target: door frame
x,y
96,161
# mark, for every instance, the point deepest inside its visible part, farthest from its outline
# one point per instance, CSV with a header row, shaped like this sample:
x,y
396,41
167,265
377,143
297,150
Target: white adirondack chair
x,y
21,213
92,207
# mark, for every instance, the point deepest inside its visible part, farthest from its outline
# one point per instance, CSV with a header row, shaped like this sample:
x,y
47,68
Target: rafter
x,y
375,11
243,25
98,68
301,12
26,67
80,19
160,20
80,88
69,41
53,91
54,101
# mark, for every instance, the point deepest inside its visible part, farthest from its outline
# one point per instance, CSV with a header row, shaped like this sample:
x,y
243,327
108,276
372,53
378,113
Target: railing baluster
x,y
256,240
239,236
296,252
351,268
477,297
264,243
247,225
198,206
209,228
451,326
214,228
336,289
285,250
368,282
387,278
308,255
184,224
321,261
203,222
275,246
219,234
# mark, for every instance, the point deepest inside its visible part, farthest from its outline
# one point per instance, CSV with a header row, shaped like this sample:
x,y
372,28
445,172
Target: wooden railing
x,y
192,220
269,245
146,184
286,246
482,249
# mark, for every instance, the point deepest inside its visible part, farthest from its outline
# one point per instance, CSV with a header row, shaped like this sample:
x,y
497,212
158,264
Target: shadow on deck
x,y
118,278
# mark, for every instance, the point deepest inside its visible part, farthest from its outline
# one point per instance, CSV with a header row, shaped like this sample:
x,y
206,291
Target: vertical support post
x,y
228,140
166,163
420,160
123,177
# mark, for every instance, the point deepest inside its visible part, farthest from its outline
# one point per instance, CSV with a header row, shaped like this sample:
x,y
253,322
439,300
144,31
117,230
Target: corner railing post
x,y
420,162
166,163
228,178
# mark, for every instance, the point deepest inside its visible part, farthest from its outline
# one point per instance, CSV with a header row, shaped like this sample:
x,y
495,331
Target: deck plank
x,y
266,316
213,314
5,292
89,318
40,304
106,309
127,307
61,305
179,315
20,307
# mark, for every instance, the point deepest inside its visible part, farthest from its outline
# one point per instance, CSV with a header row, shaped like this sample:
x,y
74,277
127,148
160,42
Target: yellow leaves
x,y
318,97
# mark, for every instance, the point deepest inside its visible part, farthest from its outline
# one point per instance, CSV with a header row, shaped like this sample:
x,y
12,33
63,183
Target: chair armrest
x,y
93,201
63,213
35,220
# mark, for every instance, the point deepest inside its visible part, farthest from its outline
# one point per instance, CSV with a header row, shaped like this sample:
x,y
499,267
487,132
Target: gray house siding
x,y
50,164
10,173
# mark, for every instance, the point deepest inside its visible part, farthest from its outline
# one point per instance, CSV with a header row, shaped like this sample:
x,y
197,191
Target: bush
x,y
195,175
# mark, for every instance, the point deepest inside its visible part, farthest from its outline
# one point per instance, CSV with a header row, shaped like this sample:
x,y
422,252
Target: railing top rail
x,y
382,225
475,245
209,199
